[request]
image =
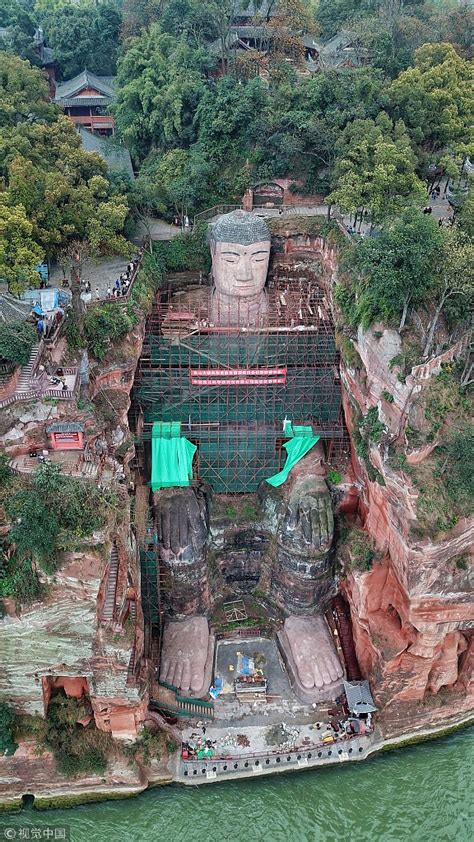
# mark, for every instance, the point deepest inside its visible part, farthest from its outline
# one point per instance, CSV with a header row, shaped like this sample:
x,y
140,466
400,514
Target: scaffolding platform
x,y
232,388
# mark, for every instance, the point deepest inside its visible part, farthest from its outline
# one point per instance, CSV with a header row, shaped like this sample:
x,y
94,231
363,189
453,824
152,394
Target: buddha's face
x,y
238,270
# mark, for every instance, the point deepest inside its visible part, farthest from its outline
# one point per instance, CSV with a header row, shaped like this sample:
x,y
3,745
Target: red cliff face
x,y
413,612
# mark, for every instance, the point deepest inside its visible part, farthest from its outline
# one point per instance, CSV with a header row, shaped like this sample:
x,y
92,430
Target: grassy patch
x,y
356,550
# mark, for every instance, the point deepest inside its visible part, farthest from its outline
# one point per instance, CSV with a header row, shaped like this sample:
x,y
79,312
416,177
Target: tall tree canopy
x,y
375,169
393,272
160,82
54,191
83,34
435,98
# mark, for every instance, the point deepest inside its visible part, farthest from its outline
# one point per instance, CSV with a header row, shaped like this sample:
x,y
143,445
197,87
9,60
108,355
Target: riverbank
x,y
67,795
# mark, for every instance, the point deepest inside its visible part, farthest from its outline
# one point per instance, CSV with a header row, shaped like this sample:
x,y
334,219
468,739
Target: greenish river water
x,y
420,794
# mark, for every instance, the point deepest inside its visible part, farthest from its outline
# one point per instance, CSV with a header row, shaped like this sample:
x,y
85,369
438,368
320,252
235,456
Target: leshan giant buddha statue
x,y
299,512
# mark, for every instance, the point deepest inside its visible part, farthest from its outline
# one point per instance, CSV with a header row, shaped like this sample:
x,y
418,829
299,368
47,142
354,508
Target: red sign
x,y
237,376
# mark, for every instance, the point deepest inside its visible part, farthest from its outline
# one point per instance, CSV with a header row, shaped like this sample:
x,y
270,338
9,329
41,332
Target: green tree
x,y
54,513
19,254
454,282
160,82
393,272
138,15
83,35
193,17
435,98
305,121
7,719
16,341
376,170
104,324
53,191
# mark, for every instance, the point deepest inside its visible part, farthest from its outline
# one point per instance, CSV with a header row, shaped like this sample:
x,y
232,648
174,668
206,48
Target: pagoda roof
x,y
72,87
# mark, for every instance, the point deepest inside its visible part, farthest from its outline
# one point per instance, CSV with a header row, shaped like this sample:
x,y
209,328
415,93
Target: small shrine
x,y
67,436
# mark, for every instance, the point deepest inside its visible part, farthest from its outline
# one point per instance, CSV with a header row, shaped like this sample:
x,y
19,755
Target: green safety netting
x,y
171,456
301,441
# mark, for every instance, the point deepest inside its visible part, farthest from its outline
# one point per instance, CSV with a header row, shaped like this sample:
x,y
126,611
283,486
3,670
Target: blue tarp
x,y
47,298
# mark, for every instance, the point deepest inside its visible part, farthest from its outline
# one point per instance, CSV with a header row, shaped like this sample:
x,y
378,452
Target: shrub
x,y
16,341
5,470
186,252
357,551
149,746
19,580
77,749
7,719
387,396
53,513
334,477
102,325
458,468
444,399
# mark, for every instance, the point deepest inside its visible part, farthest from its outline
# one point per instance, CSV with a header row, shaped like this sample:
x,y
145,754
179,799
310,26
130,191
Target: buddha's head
x,y
240,250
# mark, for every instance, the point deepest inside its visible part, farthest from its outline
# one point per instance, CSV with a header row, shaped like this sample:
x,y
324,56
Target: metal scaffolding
x,y
232,387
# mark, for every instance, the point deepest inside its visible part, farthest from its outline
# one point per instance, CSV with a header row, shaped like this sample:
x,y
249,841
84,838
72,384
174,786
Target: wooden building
x,y
86,99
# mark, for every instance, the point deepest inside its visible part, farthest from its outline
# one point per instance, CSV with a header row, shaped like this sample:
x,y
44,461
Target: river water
x,y
419,794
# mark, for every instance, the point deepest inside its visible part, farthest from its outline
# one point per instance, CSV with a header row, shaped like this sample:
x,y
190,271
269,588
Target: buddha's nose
x,y
243,270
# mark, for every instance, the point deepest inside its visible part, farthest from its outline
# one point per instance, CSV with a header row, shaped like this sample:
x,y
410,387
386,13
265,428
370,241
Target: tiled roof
x,y
116,156
79,101
13,310
65,428
86,79
359,698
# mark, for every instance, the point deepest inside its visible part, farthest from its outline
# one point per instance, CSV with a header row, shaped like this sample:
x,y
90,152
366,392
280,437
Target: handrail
x,y
216,210
187,700
280,752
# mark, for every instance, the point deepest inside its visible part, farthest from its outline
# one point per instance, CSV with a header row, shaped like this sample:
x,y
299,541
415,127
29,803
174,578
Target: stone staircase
x,y
108,608
27,370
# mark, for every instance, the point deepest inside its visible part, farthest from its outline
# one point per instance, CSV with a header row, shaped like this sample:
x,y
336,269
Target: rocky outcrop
x,y
64,644
413,612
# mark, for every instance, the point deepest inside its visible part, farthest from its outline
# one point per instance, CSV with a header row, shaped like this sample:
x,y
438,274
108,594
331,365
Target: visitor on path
x,y
40,328
428,209
88,286
109,292
97,293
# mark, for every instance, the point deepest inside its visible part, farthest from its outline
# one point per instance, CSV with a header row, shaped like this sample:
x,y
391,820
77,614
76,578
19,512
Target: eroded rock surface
x,y
413,613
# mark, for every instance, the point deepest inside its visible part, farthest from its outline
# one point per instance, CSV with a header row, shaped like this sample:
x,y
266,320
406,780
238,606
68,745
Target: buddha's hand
x,y
182,521
308,517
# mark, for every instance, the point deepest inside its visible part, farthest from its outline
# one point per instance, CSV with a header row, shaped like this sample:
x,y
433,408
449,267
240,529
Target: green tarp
x,y
171,457
298,446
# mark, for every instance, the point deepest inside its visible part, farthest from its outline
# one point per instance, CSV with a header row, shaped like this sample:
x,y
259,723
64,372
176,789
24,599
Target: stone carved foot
x,y
311,658
187,655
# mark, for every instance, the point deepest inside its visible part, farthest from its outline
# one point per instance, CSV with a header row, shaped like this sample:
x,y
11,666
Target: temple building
x,y
86,99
